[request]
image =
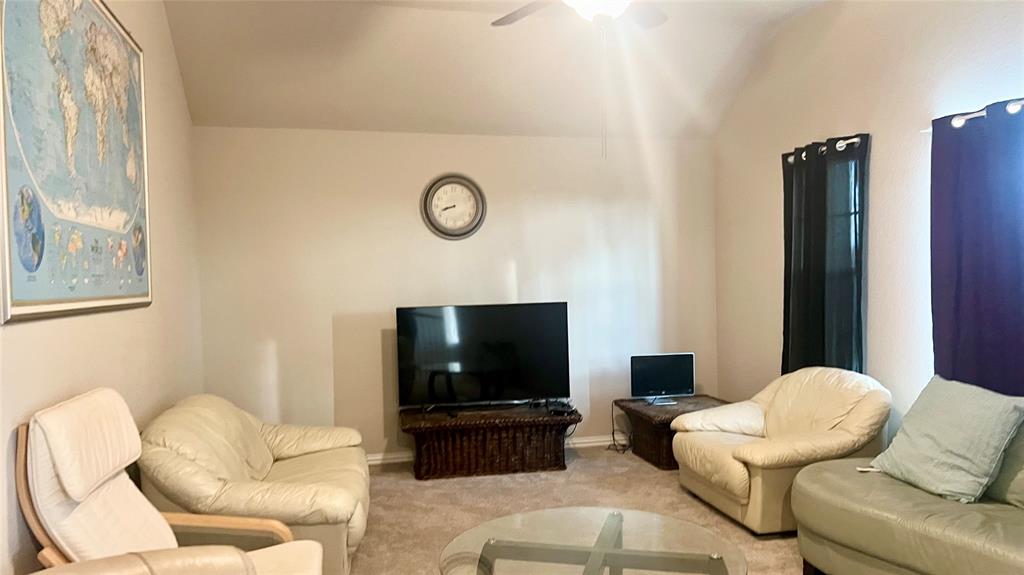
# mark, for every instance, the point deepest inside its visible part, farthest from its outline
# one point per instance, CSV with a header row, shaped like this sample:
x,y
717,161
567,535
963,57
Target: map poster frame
x,y
15,308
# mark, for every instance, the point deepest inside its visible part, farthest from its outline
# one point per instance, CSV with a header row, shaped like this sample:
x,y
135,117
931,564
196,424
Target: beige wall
x,y
309,239
152,355
312,238
886,68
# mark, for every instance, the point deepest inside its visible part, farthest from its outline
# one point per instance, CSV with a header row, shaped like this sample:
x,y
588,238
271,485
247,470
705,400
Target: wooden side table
x,y
487,442
652,436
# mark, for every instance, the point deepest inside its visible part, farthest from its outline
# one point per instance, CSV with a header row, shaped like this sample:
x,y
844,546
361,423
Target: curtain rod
x,y
840,146
960,120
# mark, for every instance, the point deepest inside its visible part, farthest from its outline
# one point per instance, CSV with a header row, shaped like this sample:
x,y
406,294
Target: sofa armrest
x,y
799,449
287,440
199,560
743,417
228,524
291,503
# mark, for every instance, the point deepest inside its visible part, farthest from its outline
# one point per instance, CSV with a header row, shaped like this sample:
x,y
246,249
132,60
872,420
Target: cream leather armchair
x,y
80,504
205,455
742,457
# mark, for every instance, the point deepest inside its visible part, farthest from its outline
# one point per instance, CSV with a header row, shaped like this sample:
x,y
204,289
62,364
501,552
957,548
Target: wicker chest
x,y
466,443
652,436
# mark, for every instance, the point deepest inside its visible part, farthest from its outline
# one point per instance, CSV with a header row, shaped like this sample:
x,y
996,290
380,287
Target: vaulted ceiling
x,y
439,67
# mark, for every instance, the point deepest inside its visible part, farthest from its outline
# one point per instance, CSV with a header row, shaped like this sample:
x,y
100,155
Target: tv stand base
x,y
512,440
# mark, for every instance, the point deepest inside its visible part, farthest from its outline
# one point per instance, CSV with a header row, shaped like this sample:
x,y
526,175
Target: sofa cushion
x,y
214,434
709,454
896,522
954,461
330,466
344,467
286,441
812,399
1008,485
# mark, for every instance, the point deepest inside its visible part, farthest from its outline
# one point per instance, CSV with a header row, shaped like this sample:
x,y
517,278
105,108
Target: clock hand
x,y
446,208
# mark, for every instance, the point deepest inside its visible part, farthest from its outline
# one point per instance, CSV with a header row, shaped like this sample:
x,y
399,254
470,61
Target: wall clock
x,y
453,207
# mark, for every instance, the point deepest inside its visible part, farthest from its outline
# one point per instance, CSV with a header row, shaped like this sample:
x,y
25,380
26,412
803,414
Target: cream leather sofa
x,y
742,457
80,504
205,455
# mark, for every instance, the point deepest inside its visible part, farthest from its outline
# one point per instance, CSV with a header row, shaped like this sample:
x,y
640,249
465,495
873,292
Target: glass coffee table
x,y
590,541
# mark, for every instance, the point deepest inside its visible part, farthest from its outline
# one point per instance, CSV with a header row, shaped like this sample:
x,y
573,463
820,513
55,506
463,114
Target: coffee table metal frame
x,y
606,552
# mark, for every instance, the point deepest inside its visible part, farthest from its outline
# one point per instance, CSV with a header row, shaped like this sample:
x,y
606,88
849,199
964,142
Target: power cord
x,y
615,445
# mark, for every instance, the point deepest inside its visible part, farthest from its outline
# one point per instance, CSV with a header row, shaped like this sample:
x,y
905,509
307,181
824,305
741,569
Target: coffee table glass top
x,y
590,541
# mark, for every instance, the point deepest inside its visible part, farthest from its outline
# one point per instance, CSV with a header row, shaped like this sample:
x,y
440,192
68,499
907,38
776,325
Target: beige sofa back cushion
x,y
1008,485
815,399
215,435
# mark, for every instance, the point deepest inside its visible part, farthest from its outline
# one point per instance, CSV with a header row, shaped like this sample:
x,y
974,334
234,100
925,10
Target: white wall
x,y
151,355
310,239
886,68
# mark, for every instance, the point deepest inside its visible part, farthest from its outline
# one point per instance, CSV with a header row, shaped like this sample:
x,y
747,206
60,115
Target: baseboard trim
x,y
591,441
405,455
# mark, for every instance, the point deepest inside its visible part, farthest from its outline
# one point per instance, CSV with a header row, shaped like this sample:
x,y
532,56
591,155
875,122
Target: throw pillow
x,y
952,440
1008,486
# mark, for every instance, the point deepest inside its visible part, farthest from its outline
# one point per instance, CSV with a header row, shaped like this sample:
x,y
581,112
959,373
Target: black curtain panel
x,y
825,219
978,247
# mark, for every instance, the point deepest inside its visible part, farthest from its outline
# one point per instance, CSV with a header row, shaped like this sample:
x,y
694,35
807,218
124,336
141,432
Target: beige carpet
x,y
411,521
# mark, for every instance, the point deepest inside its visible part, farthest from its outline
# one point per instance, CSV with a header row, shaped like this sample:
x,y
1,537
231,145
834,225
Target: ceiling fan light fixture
x,y
590,9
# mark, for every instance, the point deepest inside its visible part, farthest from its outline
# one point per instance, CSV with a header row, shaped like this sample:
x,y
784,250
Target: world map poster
x,y
74,160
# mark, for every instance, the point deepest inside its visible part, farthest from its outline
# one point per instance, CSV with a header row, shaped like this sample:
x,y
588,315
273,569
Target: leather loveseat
x,y
205,455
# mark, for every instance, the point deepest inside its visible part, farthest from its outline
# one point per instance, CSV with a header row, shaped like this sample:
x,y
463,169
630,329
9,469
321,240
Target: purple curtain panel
x,y
978,248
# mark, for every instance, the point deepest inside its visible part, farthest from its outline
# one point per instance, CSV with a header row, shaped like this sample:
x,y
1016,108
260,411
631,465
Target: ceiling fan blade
x,y
646,15
523,12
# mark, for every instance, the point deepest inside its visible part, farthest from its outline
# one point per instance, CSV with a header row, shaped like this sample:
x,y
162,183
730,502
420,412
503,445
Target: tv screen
x,y
482,353
660,375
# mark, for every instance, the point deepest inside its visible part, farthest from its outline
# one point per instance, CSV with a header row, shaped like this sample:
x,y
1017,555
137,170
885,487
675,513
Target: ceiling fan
x,y
641,13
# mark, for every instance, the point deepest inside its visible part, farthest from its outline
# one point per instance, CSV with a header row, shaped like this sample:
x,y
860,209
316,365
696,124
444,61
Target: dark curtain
x,y
978,248
825,219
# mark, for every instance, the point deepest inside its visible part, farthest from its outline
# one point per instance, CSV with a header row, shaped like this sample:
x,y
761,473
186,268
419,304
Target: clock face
x,y
453,207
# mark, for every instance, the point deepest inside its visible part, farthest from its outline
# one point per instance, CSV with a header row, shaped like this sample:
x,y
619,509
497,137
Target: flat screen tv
x,y
480,354
662,375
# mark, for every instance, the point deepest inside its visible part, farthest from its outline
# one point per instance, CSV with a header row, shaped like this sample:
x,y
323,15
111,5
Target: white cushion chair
x,y
80,504
742,457
205,455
